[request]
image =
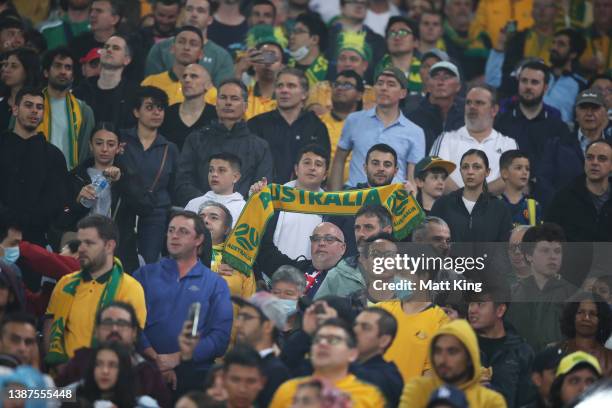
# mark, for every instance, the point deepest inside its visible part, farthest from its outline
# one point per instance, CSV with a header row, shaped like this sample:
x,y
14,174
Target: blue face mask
x,y
403,293
11,254
289,305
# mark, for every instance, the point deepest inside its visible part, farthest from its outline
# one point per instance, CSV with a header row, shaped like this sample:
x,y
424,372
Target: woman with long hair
x,y
20,67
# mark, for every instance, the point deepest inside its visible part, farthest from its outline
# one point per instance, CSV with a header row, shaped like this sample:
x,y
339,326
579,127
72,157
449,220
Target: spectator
x,y
520,267
213,384
455,359
402,38
223,174
430,31
110,94
378,246
333,348
90,63
18,338
544,138
195,109
380,166
375,330
243,377
117,322
289,128
501,349
543,374
471,212
12,32
165,16
603,288
58,33
512,47
383,124
152,161
288,283
307,42
215,59
576,372
379,13
69,323
69,135
348,276
586,325
187,49
12,297
218,220
320,392
260,318
592,119
597,59
261,12
515,169
447,396
229,26
469,48
228,134
173,278
442,109
492,15
33,192
430,174
603,85
428,60
536,299
346,94
21,69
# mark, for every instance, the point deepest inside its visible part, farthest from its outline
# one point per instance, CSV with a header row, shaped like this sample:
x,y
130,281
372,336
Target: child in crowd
x,y
223,174
430,175
514,171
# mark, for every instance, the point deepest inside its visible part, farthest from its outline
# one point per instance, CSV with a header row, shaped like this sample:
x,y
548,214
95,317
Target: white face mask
x,y
300,53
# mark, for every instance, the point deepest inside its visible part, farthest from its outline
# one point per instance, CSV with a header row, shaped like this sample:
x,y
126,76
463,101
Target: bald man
x,y
196,111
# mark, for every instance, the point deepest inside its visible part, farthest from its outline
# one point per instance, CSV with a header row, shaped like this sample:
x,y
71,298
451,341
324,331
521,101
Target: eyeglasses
x,y
122,324
328,239
399,33
344,85
331,340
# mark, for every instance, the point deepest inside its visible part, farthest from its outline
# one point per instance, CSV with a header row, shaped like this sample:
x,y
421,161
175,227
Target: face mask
x,y
289,305
300,53
404,292
11,254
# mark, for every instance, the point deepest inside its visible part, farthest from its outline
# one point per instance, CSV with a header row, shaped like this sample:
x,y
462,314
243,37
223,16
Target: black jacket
x,y
286,140
215,138
511,364
34,183
429,117
384,375
276,373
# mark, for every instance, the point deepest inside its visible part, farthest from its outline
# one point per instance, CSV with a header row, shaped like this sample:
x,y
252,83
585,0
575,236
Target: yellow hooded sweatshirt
x,y
417,391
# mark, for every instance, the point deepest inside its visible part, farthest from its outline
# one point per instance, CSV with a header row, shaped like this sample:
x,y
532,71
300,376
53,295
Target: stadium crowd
x,y
197,194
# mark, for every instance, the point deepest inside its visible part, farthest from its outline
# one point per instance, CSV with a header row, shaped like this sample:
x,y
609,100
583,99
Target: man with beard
x,y
69,323
109,94
165,14
67,122
567,47
480,109
75,22
540,134
118,322
34,170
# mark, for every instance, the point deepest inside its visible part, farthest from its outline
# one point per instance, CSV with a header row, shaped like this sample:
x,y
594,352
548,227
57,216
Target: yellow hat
x,y
569,362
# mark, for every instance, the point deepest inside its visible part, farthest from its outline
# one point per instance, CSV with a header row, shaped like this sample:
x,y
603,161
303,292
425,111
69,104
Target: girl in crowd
x,y
20,67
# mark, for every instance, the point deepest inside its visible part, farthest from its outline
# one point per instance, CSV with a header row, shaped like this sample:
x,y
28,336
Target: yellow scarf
x,y
242,245
75,120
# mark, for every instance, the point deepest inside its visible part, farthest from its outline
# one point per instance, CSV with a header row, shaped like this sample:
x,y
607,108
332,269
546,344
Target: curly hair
x,y
568,318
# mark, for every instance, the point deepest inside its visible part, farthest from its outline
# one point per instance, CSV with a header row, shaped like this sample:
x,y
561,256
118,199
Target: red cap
x,y
93,54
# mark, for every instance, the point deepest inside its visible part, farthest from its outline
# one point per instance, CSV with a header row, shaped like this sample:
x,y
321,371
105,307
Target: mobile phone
x,y
319,309
268,57
194,317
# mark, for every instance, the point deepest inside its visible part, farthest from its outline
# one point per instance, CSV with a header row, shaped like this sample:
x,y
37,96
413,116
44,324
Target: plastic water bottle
x,y
99,183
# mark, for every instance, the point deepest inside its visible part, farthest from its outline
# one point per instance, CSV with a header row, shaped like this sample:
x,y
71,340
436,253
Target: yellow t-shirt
x,y
410,349
320,94
334,128
167,82
258,104
363,395
81,319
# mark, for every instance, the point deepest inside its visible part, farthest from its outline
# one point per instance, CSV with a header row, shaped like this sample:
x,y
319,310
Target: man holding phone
x,y
171,287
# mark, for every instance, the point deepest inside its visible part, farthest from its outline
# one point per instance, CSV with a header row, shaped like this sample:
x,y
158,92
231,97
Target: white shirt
x,y
469,204
234,203
328,9
378,22
451,146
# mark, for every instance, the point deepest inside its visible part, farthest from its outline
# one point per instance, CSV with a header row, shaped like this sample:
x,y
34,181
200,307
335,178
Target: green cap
x,y
354,41
395,73
266,34
432,162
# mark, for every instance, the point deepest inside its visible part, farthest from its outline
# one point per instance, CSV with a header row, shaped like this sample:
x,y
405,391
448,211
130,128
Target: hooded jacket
x,y
417,392
343,279
254,153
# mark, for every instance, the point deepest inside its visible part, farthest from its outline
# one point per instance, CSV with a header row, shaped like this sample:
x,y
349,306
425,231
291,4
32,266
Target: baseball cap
x,y
590,96
271,307
450,395
431,162
435,52
571,361
547,359
93,54
395,73
449,66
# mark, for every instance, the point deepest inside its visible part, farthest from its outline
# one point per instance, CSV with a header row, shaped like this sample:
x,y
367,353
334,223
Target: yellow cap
x,y
570,361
